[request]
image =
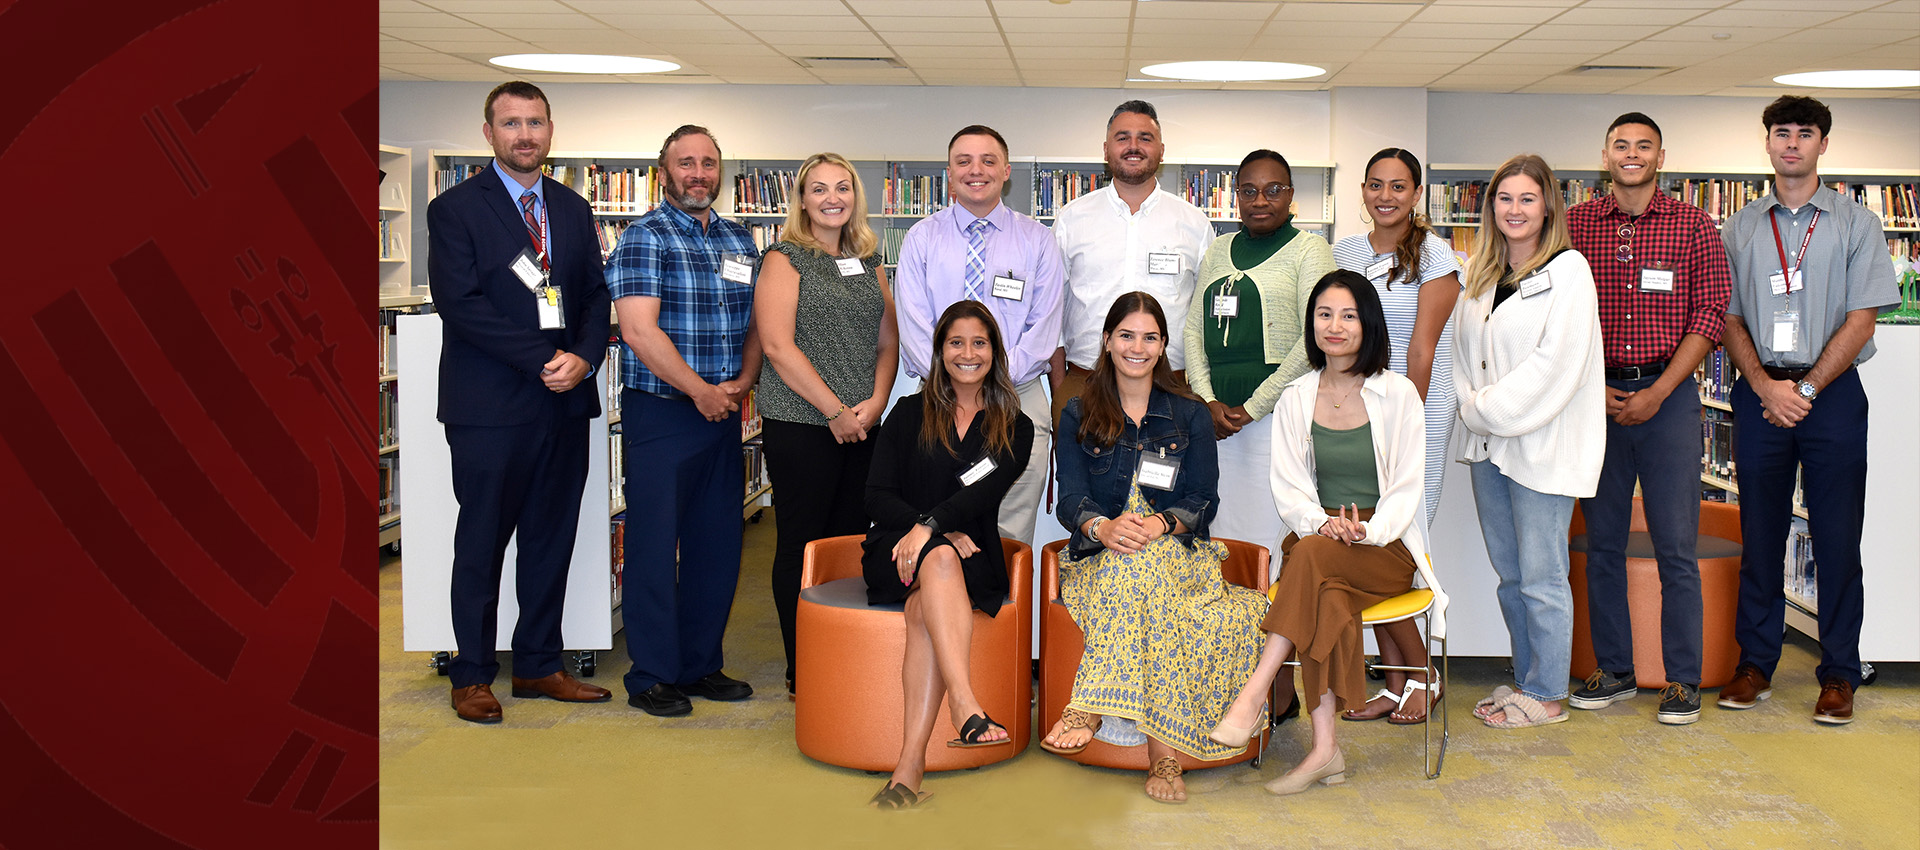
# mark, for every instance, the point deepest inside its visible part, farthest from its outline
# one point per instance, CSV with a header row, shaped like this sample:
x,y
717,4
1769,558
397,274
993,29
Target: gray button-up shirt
x,y
1846,268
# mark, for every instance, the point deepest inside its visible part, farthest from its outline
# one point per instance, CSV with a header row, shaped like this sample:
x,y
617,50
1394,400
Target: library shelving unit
x,y
396,295
1205,183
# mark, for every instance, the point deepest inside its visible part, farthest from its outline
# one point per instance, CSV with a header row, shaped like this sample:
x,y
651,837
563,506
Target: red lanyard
x,y
1798,258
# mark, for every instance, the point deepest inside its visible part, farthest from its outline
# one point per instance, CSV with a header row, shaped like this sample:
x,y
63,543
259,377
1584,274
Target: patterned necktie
x,y
976,259
533,224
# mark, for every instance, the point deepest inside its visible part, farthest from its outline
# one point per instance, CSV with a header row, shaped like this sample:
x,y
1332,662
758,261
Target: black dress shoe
x,y
662,700
718,687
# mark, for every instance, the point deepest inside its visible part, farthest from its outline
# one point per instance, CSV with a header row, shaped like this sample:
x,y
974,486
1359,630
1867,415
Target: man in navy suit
x,y
516,276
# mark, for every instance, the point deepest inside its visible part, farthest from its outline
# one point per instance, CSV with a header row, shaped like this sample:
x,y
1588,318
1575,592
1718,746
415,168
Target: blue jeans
x,y
1526,534
1663,454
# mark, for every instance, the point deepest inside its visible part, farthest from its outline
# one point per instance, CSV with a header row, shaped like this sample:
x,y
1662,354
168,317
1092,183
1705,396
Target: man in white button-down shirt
x,y
1127,235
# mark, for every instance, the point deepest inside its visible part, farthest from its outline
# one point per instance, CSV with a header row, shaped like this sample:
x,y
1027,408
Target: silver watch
x,y
1805,390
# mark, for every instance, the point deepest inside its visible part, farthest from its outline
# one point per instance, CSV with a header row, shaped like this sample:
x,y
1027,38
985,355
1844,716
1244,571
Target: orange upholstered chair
x,y
1719,554
848,704
1061,645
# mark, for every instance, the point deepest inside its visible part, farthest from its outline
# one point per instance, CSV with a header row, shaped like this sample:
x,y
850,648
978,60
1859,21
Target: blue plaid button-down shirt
x,y
666,255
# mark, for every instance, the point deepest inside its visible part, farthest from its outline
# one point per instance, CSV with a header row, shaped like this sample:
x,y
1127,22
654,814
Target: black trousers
x,y
525,478
819,490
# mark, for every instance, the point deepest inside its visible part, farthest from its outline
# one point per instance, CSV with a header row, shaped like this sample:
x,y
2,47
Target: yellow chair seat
x,y
1398,608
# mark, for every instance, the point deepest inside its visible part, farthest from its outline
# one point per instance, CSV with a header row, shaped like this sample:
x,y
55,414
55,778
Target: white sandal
x,y
1399,701
1433,696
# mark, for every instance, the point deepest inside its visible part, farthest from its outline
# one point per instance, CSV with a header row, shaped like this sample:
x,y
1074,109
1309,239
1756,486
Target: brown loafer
x,y
560,686
476,704
1836,702
1748,688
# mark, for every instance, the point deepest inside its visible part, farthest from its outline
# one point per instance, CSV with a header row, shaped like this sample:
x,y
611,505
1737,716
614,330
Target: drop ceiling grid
x,y
1437,43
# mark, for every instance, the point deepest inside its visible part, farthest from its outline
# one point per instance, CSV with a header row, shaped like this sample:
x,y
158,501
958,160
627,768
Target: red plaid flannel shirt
x,y
1643,327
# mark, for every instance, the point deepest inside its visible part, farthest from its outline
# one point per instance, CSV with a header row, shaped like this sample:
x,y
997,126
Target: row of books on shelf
x,y
1716,443
754,458
608,231
764,234
389,485
1715,375
384,345
912,194
392,247
750,416
617,551
762,190
610,369
1897,204
634,190
1801,581
1719,198
1055,188
389,413
616,467
1210,189
447,178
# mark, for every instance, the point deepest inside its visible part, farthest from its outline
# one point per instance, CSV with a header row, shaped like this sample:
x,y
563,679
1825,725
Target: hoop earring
x,y
1364,219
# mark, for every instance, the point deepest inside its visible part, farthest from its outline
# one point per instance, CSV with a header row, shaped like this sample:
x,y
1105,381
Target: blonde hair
x,y
1488,264
856,239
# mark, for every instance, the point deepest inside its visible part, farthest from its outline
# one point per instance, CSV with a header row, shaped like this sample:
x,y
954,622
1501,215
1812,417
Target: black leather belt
x,y
1780,374
1635,373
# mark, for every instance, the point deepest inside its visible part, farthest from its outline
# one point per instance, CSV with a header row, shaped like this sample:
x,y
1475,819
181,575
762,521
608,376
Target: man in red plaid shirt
x,y
1661,273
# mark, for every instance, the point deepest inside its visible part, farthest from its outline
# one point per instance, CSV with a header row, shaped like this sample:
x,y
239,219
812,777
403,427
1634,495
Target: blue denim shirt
x,y
1093,481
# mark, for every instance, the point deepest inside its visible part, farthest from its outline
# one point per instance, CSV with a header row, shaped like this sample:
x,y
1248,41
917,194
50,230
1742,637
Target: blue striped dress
x,y
1401,304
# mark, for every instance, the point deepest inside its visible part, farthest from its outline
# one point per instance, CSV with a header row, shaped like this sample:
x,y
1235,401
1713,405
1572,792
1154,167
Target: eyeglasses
x,y
1273,191
1624,253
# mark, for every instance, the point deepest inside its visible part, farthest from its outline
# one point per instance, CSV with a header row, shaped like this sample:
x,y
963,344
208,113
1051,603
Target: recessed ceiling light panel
x,y
1882,79
1232,72
583,63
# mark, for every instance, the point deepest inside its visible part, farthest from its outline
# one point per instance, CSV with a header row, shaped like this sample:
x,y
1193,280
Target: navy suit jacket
x,y
493,348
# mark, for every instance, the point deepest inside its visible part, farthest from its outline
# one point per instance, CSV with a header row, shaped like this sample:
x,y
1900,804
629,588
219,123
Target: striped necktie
x,y
976,259
527,199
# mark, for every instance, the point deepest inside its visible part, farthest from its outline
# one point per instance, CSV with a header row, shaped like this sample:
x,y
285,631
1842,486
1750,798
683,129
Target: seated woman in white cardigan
x,y
1351,478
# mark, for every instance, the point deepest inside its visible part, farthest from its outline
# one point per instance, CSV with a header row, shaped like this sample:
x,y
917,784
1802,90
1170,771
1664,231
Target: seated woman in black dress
x,y
941,463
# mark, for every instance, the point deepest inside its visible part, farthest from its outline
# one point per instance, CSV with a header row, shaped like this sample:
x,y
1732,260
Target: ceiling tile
x,y
1855,37
458,7
1805,16
1487,30
509,23
401,6
931,24
1654,12
1099,39
960,63
1473,15
1907,22
798,23
912,52
1691,31
1585,32
1070,26
636,7
443,35
1378,57
1795,5
733,8
1695,6
1399,79
394,46
1345,12
704,37
387,73
817,41
1047,9
1153,14
958,39
1314,29
649,24
1563,3
1270,43
1037,52
943,9
1417,45
423,18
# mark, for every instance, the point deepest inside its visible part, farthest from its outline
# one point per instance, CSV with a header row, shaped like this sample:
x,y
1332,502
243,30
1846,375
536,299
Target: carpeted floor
x,y
607,775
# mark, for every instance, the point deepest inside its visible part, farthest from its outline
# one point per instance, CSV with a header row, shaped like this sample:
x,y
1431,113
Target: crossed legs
x,y
1245,708
939,636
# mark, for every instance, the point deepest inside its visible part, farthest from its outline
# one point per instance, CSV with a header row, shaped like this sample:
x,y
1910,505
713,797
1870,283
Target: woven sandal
x,y
1486,707
1071,719
1532,713
974,728
893,795
1167,768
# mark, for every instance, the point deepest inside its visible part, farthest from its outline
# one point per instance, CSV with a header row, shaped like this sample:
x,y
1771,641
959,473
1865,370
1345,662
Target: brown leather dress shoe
x,y
475,704
1748,688
560,686
1836,702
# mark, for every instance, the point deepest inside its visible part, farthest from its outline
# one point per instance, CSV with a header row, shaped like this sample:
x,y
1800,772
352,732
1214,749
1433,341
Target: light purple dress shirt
x,y
932,275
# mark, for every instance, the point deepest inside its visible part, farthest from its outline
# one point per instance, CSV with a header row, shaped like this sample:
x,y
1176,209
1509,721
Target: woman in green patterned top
x,y
825,319
1246,340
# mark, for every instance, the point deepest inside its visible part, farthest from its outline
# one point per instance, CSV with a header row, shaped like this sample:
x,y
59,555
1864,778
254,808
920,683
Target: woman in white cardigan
x,y
1527,368
1348,472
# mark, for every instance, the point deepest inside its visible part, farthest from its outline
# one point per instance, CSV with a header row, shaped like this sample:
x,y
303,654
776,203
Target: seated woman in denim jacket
x,y
1168,641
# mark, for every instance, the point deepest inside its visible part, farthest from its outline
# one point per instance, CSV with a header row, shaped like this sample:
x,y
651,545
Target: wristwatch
x,y
1805,390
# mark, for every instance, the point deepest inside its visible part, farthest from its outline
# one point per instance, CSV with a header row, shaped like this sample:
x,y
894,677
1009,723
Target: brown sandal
x,y
1071,719
1167,768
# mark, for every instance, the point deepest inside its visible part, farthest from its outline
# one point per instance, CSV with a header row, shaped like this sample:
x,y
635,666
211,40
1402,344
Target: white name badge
x,y
1380,269
1786,331
980,470
850,266
1535,285
1163,263
526,267
1158,472
1226,306
546,300
1782,286
737,269
1008,286
1656,280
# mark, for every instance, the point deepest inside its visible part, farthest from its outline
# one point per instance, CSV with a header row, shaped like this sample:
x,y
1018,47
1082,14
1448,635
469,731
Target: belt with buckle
x,y
1794,374
1635,373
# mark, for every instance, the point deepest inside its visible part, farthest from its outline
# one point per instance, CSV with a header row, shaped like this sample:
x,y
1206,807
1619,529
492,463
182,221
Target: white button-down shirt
x,y
1106,247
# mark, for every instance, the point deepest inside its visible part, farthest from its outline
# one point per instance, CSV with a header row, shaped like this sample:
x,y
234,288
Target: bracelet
x,y
1093,529
836,414
1162,516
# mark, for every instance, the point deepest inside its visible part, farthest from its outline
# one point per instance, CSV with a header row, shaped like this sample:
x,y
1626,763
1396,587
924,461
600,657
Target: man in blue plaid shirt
x,y
682,283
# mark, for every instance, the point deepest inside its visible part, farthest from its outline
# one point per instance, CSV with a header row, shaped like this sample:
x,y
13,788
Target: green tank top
x,y
1236,348
1344,468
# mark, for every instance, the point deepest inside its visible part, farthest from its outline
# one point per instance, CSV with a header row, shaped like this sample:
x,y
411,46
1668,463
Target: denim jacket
x,y
1093,481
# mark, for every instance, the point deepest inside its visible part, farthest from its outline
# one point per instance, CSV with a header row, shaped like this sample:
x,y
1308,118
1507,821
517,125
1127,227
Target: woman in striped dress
x,y
1418,280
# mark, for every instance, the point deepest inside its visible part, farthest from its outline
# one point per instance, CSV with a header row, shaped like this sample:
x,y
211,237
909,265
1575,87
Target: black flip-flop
x,y
975,727
896,796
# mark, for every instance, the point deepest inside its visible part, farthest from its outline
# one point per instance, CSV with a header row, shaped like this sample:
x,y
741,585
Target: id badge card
x,y
1786,333
1536,284
1656,277
1379,270
980,470
1163,262
1782,285
526,267
1226,306
1158,471
737,268
546,301
849,266
1010,287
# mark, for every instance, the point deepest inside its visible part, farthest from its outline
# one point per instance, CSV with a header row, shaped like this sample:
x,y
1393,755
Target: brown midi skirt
x,y
1324,585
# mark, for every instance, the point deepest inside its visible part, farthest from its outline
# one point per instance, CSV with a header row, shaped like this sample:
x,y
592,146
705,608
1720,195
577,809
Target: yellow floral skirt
x,y
1169,642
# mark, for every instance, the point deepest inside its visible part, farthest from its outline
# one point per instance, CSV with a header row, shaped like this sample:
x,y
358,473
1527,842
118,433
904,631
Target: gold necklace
x,y
1343,396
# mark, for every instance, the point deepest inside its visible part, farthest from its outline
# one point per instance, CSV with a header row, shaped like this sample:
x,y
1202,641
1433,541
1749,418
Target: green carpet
x,y
607,775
